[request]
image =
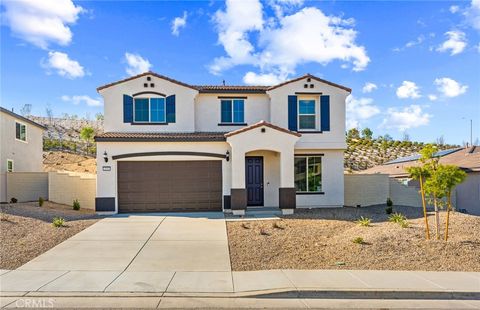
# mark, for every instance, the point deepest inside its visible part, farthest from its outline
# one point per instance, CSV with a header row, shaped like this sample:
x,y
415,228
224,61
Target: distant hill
x,y
63,134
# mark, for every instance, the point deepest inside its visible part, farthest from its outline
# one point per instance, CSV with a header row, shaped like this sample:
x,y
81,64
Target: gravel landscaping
x,y
27,230
323,239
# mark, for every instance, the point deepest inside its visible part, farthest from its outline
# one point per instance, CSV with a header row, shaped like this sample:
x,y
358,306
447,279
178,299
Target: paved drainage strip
x,y
279,294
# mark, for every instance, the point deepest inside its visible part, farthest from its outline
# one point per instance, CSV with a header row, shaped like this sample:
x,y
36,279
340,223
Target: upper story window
x,y
232,111
149,110
307,114
20,131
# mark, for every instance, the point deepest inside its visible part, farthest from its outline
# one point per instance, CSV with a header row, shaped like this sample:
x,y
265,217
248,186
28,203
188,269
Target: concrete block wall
x,y
26,186
404,195
65,187
366,189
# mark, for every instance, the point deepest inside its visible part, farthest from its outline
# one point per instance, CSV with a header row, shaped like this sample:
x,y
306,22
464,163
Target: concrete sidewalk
x,y
355,283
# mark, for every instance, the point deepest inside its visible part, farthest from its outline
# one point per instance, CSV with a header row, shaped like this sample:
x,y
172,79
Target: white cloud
x,y
408,89
419,40
178,23
63,65
472,14
432,97
252,78
92,102
456,42
285,41
41,22
454,9
359,110
406,118
136,64
449,87
369,87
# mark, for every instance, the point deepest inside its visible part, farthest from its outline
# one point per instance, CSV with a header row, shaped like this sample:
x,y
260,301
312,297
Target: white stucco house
x,y
171,146
21,147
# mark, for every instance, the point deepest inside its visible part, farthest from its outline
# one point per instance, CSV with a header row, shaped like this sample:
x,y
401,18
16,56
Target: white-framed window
x,y
308,113
9,165
20,131
308,173
149,110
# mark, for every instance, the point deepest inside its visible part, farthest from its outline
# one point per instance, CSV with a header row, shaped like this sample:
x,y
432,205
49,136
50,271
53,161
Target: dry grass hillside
x,y
64,161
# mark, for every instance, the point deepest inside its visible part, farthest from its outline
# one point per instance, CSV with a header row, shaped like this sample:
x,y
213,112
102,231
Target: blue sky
x,y
413,66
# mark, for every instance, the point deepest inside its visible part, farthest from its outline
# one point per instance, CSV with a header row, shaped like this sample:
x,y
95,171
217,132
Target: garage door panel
x,y
153,186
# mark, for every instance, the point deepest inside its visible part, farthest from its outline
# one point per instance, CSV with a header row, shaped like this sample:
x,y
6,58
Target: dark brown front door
x,y
254,180
156,186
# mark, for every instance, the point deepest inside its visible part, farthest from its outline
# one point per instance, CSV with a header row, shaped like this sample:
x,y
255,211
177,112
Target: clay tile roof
x,y
231,89
259,124
161,137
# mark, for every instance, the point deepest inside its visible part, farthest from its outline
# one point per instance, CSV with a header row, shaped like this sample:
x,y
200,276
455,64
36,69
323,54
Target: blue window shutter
x,y
325,113
127,109
292,113
170,109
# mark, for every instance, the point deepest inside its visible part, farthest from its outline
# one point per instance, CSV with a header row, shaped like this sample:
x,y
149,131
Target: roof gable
x,y
22,118
166,78
260,124
308,75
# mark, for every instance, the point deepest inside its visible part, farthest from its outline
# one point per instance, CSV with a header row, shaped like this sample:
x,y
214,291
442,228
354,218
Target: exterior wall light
x,y
227,155
105,156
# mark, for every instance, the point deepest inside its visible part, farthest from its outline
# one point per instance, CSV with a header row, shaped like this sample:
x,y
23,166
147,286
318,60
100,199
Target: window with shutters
x,y
308,114
232,111
149,110
20,132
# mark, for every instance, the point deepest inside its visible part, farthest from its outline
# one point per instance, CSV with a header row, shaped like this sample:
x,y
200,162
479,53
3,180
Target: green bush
x,y
389,210
389,202
40,201
363,221
397,218
58,222
358,240
76,205
13,200
404,224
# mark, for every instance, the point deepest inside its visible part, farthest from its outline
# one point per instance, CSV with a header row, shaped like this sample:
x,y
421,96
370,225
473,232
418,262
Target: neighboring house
x,y
467,194
21,147
170,146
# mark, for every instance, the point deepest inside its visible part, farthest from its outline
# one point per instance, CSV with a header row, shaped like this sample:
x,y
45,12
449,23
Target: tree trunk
x,y
427,228
437,218
447,221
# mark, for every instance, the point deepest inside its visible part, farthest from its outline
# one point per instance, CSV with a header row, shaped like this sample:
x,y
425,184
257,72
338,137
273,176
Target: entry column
x,y
287,192
238,193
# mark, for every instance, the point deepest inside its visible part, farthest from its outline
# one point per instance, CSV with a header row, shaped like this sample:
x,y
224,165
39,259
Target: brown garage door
x,y
153,186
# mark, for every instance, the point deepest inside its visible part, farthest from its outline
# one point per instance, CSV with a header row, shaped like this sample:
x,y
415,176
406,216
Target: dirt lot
x,y
322,239
63,161
27,230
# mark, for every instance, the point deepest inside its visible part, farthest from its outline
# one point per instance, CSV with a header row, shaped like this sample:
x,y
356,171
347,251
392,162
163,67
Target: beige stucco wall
x,y
27,186
207,111
404,195
27,155
366,189
65,187
333,139
113,105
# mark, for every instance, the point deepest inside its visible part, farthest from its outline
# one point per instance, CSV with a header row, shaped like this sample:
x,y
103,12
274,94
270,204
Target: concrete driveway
x,y
131,253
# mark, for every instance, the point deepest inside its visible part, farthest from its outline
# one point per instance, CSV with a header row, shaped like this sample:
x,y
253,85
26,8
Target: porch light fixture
x,y
105,156
227,155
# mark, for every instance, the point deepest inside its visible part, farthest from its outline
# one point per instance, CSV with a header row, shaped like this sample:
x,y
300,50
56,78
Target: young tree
x,y
406,137
26,110
452,176
353,134
367,133
433,181
420,174
87,135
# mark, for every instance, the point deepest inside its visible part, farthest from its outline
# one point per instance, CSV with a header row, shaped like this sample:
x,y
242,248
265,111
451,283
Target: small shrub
x,y
389,202
397,218
40,201
76,205
404,224
358,240
363,221
58,222
13,200
389,210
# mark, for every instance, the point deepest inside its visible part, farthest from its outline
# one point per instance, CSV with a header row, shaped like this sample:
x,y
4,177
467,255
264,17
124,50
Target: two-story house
x,y
21,147
171,146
